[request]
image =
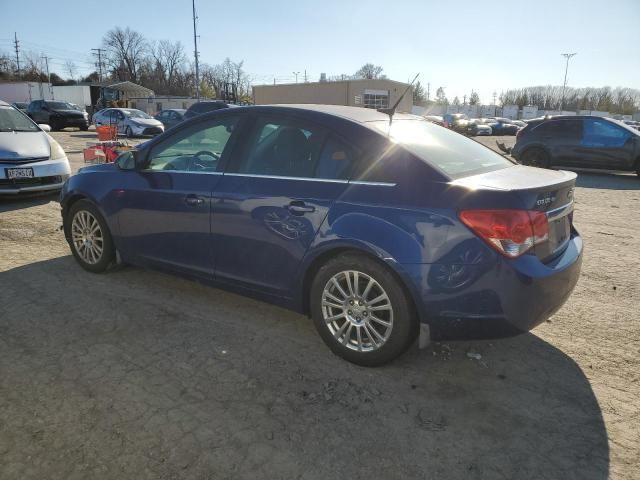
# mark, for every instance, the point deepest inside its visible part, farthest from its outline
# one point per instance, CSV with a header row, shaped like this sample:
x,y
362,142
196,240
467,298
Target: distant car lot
x,y
160,377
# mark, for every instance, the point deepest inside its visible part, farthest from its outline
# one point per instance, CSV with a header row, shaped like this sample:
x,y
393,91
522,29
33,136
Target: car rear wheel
x,y
89,237
128,132
361,311
536,157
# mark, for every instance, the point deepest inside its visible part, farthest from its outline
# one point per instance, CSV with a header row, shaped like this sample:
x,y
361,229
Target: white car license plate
x,y
20,172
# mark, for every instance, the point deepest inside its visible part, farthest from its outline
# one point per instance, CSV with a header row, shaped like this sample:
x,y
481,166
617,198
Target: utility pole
x,y
99,50
195,49
494,97
428,90
296,74
46,62
17,47
305,75
566,69
464,99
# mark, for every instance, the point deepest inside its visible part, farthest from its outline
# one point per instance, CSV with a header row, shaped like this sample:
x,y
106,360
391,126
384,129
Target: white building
x,y
25,91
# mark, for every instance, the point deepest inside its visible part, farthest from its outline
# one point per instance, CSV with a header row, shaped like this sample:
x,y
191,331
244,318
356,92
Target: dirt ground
x,y
137,374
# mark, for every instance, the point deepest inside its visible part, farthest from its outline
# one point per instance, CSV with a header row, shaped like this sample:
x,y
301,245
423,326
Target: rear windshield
x,y
11,120
454,154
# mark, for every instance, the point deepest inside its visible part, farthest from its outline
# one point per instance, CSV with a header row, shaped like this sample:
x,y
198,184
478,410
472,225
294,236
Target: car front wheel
x,y
89,237
361,311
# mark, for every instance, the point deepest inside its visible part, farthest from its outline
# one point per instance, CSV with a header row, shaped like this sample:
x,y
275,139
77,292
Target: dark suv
x,y
578,141
204,107
57,115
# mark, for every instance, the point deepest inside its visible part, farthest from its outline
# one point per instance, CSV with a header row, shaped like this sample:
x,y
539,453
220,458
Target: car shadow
x,y
607,180
198,380
26,200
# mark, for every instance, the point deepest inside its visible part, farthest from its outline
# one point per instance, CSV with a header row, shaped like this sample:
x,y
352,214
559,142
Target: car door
x,y
606,145
36,112
165,206
563,137
272,199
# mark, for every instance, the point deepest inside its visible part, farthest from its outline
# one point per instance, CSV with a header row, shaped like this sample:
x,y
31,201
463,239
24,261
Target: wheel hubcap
x,y
357,311
87,238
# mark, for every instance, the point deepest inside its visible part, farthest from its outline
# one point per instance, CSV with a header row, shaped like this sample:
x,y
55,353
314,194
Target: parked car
x,y
632,124
130,122
22,106
579,141
478,127
170,117
204,107
458,122
519,123
503,126
30,160
378,231
57,115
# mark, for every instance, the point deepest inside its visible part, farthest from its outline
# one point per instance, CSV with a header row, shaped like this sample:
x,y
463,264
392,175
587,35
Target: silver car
x,y
130,122
30,160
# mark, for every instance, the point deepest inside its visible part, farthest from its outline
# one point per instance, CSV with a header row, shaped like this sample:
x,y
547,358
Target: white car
x,y
130,122
30,159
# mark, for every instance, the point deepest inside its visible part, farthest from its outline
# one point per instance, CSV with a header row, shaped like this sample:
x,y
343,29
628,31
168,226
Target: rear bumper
x,y
494,300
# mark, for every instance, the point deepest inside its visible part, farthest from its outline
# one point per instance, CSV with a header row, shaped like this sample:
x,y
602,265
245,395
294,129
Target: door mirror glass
x,y
128,160
44,127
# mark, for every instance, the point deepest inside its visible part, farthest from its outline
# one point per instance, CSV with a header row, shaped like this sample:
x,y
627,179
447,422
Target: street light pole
x,y
296,74
566,69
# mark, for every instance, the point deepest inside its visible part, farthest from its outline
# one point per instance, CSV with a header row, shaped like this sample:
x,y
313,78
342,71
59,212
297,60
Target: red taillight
x,y
510,232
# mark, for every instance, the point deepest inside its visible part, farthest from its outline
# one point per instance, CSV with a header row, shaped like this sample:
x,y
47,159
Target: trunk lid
x,y
548,191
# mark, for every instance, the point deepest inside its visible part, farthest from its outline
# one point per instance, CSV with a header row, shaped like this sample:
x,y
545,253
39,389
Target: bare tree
x,y
169,59
127,50
369,71
474,98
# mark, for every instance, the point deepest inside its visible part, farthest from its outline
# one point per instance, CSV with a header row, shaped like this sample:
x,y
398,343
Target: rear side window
x,y
453,154
336,160
560,129
601,133
284,147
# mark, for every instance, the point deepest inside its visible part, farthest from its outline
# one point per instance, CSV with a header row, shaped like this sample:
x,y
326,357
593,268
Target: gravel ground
x,y
136,374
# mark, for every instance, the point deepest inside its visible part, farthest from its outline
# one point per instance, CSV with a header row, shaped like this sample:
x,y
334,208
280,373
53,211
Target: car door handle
x,y
194,200
300,208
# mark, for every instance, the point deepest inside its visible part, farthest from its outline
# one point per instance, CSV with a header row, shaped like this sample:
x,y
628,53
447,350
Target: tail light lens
x,y
510,232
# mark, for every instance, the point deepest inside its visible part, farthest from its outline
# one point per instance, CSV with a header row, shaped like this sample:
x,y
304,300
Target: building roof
x,y
354,80
356,114
131,88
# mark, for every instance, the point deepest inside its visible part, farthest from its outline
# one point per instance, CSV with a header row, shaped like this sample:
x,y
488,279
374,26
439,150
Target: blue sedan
x,y
381,231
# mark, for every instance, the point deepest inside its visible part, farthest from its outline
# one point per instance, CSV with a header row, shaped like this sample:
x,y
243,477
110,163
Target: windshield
x,y
60,106
454,154
135,114
11,120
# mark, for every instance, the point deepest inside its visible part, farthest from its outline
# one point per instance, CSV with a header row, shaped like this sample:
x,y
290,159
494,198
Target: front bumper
x,y
495,299
144,130
49,175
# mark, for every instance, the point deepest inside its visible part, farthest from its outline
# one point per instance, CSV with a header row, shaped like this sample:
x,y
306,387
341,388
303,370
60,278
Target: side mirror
x,y
128,160
44,127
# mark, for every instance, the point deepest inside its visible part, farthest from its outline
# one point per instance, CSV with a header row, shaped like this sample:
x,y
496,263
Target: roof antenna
x,y
392,110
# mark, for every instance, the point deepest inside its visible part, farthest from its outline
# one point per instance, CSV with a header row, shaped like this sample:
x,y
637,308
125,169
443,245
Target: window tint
x,y
452,153
286,148
601,133
193,151
561,129
336,160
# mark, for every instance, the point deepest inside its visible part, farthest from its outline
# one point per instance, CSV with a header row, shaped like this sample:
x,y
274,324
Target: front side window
x,y
601,133
193,151
286,148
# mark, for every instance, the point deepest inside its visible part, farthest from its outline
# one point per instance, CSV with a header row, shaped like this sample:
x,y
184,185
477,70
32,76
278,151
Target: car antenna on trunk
x,y
392,110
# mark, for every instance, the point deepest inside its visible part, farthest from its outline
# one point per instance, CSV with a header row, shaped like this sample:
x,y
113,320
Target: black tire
x,y
84,128
128,132
536,157
404,322
107,256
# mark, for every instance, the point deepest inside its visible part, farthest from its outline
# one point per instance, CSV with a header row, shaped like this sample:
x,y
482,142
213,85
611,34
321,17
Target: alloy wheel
x,y
87,237
357,311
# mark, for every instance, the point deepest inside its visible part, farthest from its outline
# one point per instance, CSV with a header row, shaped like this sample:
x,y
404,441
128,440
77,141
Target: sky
x,y
486,46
